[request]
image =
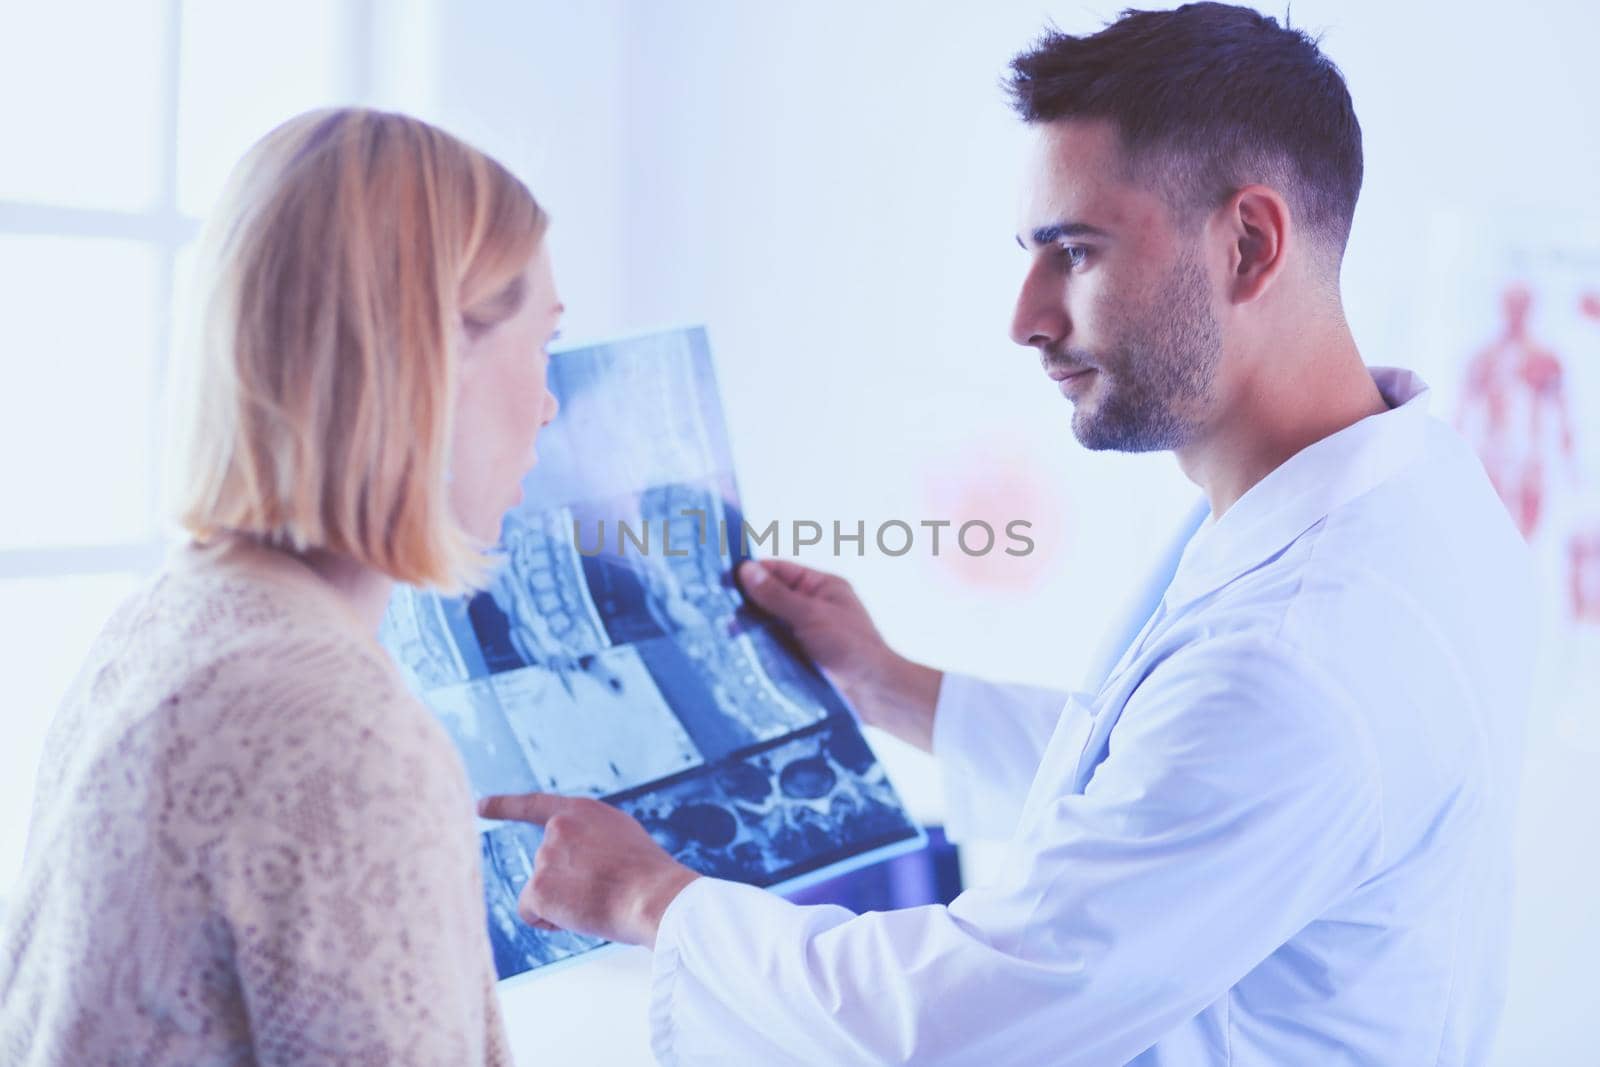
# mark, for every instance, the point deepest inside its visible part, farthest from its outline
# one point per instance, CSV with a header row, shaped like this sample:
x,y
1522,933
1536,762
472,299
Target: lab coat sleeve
x,y
1236,803
988,738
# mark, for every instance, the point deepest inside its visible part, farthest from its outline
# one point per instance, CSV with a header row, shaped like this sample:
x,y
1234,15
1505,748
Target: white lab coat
x,y
1278,833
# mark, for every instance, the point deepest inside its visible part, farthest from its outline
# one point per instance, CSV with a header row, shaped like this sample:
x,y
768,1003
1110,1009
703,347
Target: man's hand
x,y
597,871
831,624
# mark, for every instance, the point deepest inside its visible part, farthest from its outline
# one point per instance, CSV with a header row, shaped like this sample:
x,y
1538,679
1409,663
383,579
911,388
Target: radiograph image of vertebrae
x,y
508,853
779,813
762,819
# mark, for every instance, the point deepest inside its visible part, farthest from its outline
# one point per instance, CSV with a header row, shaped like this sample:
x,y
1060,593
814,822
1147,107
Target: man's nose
x,y
1040,318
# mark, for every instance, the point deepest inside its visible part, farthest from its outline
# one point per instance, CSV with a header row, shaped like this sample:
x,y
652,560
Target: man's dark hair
x,y
1208,98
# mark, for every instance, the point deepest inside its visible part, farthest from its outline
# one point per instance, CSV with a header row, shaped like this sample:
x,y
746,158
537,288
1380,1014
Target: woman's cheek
x,y
531,393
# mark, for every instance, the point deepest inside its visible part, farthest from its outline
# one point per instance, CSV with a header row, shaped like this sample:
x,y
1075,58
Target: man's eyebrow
x,y
1054,232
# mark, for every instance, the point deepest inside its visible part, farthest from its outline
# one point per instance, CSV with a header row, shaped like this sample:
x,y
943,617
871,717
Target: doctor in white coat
x,y
1278,830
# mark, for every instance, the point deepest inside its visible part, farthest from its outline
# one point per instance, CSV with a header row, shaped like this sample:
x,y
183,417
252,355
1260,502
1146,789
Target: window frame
x,y
163,228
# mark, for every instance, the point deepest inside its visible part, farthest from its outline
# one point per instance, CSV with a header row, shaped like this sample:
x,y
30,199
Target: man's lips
x,y
1072,381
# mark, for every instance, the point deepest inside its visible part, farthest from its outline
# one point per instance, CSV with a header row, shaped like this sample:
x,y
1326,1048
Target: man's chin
x,y
1099,434
1091,436
1100,430
1088,428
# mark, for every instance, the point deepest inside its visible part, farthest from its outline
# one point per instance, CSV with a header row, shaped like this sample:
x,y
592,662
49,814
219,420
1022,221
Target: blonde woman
x,y
249,844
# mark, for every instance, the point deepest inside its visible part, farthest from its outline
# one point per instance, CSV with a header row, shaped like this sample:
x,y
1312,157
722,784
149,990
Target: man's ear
x,y
1259,228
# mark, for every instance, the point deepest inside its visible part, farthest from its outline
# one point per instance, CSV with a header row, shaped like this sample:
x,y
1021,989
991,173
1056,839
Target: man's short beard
x,y
1152,395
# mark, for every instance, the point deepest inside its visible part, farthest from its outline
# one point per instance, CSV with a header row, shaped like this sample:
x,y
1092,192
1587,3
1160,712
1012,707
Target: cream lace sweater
x,y
249,845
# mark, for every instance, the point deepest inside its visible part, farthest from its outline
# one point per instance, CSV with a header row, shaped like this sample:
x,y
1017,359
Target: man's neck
x,y
1290,405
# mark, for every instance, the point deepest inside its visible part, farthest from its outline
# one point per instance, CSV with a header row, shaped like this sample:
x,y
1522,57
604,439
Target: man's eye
x,y
1075,255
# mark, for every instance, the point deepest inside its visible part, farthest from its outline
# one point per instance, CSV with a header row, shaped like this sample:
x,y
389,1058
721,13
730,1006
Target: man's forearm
x,y
899,697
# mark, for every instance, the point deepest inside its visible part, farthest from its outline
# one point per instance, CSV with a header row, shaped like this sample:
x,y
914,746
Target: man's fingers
x,y
530,915
770,591
796,575
536,808
534,919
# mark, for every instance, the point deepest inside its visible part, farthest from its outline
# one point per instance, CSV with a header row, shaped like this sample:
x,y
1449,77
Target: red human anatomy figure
x,y
1513,397
1583,575
1583,551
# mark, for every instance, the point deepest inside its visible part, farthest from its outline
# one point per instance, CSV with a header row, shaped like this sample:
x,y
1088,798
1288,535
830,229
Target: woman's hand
x,y
597,871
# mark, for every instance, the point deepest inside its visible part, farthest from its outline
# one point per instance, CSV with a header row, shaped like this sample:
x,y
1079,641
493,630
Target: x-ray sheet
x,y
612,655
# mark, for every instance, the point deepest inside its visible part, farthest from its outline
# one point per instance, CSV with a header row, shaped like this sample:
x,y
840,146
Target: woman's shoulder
x,y
235,761
222,712
293,662
243,668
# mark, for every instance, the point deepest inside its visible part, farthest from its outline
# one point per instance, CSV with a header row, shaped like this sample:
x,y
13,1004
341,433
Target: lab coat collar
x,y
1305,489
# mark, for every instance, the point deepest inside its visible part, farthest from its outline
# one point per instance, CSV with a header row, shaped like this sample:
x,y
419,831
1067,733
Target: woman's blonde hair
x,y
337,270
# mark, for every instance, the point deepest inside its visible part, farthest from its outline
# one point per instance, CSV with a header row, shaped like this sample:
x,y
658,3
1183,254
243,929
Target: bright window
x,y
120,122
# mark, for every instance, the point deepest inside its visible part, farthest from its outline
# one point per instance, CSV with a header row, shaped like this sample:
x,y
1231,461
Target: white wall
x,y
831,187
541,87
